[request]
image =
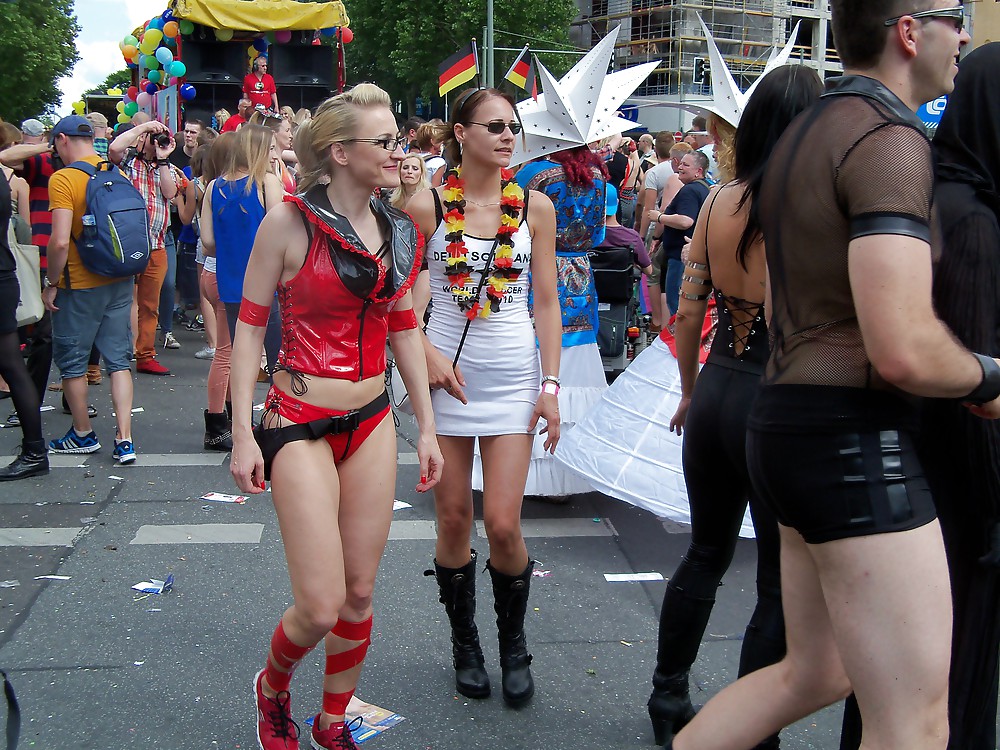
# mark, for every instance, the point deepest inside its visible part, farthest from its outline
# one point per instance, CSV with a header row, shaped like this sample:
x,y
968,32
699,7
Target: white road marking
x,y
203,533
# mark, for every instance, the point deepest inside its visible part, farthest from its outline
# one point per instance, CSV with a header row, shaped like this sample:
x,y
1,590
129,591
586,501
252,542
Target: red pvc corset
x,y
330,327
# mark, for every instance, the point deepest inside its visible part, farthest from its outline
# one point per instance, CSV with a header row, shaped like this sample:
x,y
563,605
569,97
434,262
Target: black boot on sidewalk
x,y
510,600
457,587
31,461
218,432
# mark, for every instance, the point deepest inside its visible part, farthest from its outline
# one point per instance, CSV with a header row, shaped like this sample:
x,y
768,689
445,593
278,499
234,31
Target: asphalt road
x,y
98,665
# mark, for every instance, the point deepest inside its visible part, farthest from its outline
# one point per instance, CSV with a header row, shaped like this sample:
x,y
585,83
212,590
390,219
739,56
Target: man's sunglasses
x,y
389,143
956,15
497,127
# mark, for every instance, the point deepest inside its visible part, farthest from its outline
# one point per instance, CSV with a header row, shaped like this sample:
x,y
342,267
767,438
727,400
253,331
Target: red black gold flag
x,y
460,68
522,73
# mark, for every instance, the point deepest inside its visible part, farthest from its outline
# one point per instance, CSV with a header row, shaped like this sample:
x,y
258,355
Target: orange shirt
x,y
68,190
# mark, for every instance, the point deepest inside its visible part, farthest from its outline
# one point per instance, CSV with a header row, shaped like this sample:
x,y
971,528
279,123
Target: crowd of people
x,y
825,344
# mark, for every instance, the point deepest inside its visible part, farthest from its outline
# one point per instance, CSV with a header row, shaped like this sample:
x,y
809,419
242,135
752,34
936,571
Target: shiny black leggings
x,y
22,390
719,488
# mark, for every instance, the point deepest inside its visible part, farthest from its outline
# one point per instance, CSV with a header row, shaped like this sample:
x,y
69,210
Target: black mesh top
x,y
857,163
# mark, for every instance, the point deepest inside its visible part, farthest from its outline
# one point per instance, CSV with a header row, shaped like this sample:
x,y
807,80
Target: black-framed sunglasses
x,y
956,15
389,143
498,126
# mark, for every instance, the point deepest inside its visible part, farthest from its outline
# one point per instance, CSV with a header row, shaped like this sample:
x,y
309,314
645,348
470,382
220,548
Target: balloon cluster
x,y
154,53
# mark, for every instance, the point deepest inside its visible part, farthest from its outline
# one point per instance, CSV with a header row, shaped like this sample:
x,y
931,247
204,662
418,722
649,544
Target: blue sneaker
x,y
124,452
73,443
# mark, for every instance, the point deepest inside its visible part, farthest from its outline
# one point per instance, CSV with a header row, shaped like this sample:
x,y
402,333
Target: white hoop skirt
x,y
623,447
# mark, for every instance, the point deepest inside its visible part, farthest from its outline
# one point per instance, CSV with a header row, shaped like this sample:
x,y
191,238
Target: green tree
x,y
37,46
121,79
400,44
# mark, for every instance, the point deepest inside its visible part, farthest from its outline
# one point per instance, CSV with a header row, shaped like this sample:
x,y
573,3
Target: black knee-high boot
x,y
683,619
457,587
510,600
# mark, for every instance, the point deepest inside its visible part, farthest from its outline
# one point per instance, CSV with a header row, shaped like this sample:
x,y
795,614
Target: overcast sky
x,y
103,23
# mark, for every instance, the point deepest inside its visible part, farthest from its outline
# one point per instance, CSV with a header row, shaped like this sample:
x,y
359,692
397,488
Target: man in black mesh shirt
x,y
846,210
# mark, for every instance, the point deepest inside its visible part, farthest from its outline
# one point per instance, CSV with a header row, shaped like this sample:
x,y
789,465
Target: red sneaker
x,y
275,728
151,367
332,738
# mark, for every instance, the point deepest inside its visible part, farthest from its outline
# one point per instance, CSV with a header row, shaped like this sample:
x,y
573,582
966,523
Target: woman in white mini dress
x,y
486,239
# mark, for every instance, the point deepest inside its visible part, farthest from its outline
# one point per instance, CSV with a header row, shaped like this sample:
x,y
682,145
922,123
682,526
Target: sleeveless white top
x,y
499,359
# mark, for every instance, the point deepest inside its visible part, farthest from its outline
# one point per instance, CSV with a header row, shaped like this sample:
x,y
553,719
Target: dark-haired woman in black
x,y
726,261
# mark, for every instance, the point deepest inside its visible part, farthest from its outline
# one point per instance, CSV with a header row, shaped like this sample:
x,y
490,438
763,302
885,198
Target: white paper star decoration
x,y
579,108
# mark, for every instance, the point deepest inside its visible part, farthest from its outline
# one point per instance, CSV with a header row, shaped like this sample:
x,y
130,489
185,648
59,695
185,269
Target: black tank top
x,y
7,262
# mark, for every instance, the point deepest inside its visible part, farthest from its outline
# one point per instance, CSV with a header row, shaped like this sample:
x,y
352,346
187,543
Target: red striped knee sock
x,y
335,704
282,659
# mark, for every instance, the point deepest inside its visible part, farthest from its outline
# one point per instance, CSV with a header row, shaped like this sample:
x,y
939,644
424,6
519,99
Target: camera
x,y
162,140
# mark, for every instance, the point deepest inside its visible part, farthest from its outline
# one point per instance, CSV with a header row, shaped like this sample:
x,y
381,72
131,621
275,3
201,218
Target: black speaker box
x,y
301,65
214,62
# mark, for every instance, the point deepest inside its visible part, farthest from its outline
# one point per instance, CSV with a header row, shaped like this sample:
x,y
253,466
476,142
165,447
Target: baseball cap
x,y
97,120
612,200
73,126
32,127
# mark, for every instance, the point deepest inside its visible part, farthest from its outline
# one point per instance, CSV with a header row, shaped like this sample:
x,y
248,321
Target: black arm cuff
x,y
903,224
989,388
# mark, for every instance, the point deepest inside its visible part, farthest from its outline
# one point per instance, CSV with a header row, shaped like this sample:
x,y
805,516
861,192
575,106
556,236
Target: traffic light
x,y
702,71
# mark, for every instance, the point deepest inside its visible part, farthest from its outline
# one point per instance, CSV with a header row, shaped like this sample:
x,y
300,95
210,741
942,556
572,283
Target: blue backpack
x,y
115,238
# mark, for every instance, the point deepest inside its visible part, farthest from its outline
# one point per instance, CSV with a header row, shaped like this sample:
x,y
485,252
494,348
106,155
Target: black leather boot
x,y
683,619
31,461
457,588
510,600
218,432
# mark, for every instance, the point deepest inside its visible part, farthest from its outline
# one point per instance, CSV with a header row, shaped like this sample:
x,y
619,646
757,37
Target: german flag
x,y
460,68
518,73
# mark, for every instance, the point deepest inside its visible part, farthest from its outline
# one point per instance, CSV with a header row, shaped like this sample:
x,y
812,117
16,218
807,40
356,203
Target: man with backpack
x,y
90,308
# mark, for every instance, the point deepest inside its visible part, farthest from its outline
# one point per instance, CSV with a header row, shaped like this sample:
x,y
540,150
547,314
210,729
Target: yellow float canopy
x,y
262,15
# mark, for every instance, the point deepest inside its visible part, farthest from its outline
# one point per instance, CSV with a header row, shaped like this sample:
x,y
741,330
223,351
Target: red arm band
x,y
253,314
401,320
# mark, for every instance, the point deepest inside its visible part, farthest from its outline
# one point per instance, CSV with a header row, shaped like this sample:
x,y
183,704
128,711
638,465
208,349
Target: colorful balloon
x,y
131,108
154,36
130,41
114,92
155,23
132,92
143,100
129,51
164,55
177,69
167,15
120,106
252,52
346,35
151,89
155,76
123,118
260,44
150,62
186,27
224,35
170,29
283,37
188,92
330,31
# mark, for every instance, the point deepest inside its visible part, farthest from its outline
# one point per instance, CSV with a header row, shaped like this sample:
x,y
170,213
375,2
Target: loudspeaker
x,y
301,65
214,62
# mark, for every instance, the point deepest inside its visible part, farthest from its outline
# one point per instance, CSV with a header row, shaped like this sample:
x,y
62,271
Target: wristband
x,y
402,320
253,314
551,379
551,388
989,387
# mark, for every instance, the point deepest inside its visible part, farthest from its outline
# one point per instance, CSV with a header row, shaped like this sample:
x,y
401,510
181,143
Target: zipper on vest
x,y
361,335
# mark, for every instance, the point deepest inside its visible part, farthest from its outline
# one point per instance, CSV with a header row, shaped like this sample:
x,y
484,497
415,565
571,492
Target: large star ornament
x,y
581,107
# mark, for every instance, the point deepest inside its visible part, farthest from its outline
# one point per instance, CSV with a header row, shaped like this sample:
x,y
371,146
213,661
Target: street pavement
x,y
98,665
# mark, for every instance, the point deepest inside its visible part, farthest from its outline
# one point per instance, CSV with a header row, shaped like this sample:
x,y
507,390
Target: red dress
x,y
259,90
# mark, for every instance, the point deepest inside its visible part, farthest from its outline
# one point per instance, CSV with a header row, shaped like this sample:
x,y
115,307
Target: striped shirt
x,y
146,178
37,170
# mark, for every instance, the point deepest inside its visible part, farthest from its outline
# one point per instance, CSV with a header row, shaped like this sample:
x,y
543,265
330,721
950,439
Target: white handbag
x,y
29,307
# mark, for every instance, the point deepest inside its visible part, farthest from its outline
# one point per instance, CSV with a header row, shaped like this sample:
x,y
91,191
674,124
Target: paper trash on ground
x,y
51,578
222,497
400,505
154,586
374,720
630,577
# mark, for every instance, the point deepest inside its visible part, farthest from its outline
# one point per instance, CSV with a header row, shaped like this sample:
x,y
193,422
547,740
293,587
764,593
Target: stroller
x,y
615,277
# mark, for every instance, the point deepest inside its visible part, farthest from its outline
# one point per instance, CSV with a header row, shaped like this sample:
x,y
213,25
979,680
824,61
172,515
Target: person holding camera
x,y
142,153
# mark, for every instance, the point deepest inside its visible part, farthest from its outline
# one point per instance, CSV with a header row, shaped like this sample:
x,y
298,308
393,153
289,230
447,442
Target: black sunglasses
x,y
389,143
956,15
498,126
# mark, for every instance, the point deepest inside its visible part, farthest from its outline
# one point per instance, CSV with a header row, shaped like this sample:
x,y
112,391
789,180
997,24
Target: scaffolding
x,y
668,31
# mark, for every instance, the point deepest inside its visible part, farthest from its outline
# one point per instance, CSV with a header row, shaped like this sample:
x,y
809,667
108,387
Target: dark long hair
x,y
579,164
464,111
779,98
